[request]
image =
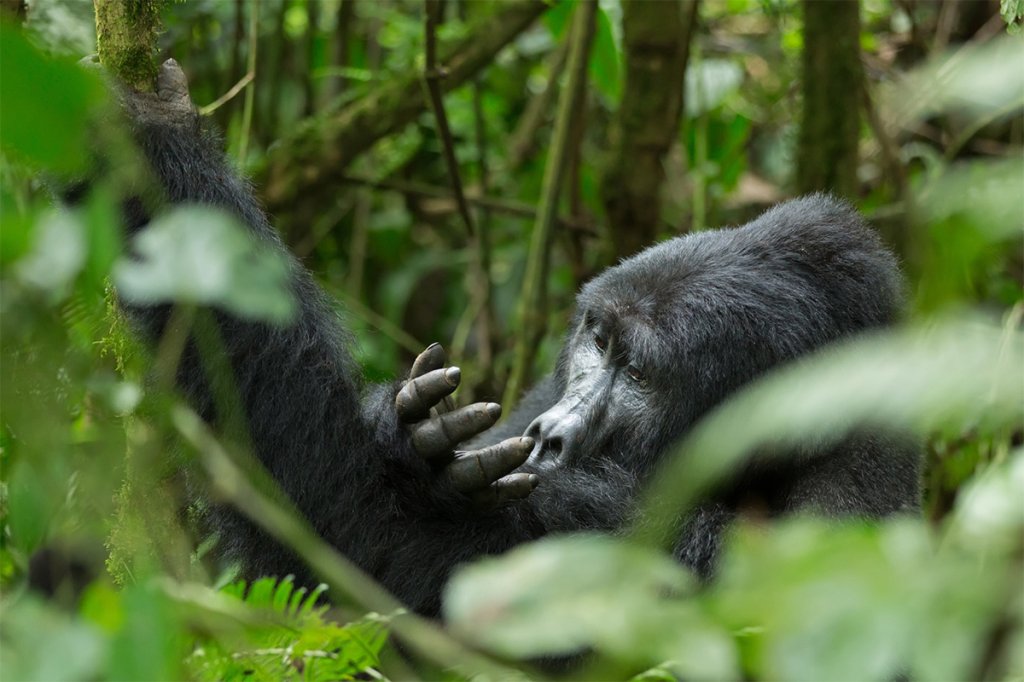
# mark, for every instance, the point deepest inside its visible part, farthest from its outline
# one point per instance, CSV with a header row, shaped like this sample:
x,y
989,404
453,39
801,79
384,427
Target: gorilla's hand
x,y
168,105
436,430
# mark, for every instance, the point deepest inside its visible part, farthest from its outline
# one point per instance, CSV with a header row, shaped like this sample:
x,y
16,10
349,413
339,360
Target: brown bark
x,y
656,43
314,157
833,82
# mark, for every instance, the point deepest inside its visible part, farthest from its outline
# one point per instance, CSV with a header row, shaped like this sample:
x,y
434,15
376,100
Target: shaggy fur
x,y
708,312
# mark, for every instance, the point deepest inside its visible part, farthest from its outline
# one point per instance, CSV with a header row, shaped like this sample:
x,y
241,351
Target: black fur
x,y
709,312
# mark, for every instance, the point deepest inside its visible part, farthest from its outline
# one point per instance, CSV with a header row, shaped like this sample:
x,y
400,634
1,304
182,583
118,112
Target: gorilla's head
x,y
663,337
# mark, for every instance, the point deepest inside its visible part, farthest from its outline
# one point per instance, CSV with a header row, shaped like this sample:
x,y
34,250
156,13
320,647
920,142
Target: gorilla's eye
x,y
601,344
636,375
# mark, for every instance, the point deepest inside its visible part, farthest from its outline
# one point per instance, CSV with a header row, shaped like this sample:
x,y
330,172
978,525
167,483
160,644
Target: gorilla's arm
x,y
340,450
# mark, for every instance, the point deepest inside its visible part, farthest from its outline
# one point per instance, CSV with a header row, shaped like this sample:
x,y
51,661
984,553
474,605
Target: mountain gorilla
x,y
655,343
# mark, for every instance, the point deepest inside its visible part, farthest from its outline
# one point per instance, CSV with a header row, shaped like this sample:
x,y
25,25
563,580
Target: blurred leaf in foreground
x,y
200,256
944,377
44,104
564,595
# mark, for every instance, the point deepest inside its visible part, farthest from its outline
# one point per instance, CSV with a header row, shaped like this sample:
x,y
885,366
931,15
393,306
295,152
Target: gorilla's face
x,y
609,394
627,379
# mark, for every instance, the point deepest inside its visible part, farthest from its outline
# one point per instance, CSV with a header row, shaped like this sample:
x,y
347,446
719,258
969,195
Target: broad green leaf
x,y
986,194
201,256
44,104
560,595
943,376
58,252
821,600
989,514
977,79
151,643
41,642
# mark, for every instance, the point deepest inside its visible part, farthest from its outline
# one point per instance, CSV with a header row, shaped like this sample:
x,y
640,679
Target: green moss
x,y
126,39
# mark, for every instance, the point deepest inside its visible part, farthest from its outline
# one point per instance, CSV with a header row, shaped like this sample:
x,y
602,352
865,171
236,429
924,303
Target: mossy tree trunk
x,y
833,81
126,40
656,43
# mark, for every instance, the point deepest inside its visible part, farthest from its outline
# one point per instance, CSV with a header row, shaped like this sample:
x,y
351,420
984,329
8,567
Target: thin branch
x,y
532,301
227,96
480,286
510,207
385,326
310,159
433,75
250,94
523,139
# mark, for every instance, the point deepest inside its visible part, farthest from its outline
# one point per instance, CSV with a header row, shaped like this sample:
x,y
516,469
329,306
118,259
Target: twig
x,y
312,156
432,77
250,94
227,96
460,337
532,300
886,145
523,139
481,275
506,206
385,326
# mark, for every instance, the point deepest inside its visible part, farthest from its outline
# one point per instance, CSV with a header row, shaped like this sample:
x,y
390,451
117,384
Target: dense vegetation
x,y
579,134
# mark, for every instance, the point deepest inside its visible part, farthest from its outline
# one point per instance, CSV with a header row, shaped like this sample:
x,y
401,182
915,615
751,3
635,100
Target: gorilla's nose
x,y
556,433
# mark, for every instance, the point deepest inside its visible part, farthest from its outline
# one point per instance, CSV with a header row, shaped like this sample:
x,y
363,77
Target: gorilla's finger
x,y
511,487
437,437
430,359
172,85
415,399
476,470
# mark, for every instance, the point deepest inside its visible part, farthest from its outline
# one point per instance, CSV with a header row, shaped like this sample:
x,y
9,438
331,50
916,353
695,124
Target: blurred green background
x,y
692,115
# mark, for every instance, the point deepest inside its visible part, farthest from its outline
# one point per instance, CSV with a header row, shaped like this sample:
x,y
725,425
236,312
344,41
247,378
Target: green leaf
x,y
150,643
201,256
946,376
58,252
708,83
41,642
560,595
605,66
44,104
822,600
981,80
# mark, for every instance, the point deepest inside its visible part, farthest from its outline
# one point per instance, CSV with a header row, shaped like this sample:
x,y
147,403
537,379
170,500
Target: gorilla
x,y
409,492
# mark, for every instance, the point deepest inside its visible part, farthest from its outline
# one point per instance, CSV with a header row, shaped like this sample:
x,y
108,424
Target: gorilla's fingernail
x,y
433,345
452,375
534,480
493,410
526,442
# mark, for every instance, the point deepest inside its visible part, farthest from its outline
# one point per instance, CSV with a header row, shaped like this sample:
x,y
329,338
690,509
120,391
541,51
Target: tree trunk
x,y
833,82
656,43
126,40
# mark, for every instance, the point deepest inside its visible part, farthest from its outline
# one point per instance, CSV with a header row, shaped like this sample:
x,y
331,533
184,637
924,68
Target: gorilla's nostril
x,y
553,445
